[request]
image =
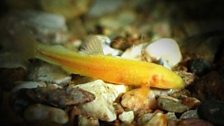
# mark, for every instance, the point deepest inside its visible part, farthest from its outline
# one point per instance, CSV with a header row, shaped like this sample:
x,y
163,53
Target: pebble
x,y
171,116
127,116
213,111
164,50
105,94
39,112
85,121
60,97
189,114
137,99
48,73
153,119
171,104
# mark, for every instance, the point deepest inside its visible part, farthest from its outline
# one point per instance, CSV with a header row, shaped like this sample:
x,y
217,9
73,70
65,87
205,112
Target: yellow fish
x,y
111,69
108,68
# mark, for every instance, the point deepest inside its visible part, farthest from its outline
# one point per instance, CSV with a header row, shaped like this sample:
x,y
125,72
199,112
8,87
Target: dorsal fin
x,y
92,45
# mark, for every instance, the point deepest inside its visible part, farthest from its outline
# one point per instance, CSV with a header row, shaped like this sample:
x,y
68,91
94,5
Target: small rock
x,y
49,73
193,122
213,111
127,117
102,107
189,114
171,104
199,66
137,99
39,112
171,116
153,119
60,97
85,121
165,50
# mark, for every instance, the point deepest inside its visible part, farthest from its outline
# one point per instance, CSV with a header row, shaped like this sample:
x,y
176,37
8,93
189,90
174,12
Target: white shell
x,y
135,52
165,50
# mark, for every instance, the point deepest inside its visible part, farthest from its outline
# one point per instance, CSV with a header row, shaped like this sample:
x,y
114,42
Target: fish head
x,y
166,79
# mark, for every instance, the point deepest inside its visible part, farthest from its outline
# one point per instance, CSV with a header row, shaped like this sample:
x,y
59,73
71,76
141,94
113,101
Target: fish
x,y
111,69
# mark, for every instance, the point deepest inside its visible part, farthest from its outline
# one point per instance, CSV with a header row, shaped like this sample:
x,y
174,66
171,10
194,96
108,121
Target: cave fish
x,y
111,69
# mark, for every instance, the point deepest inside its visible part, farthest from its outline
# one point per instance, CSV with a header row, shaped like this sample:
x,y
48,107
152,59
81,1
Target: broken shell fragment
x,y
127,117
39,112
102,107
134,52
171,104
164,50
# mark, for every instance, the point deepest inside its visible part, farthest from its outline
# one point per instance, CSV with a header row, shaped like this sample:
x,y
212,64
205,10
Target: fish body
x,y
111,69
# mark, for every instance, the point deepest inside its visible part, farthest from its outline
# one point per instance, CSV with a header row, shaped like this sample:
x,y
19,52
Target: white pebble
x,y
127,117
102,107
